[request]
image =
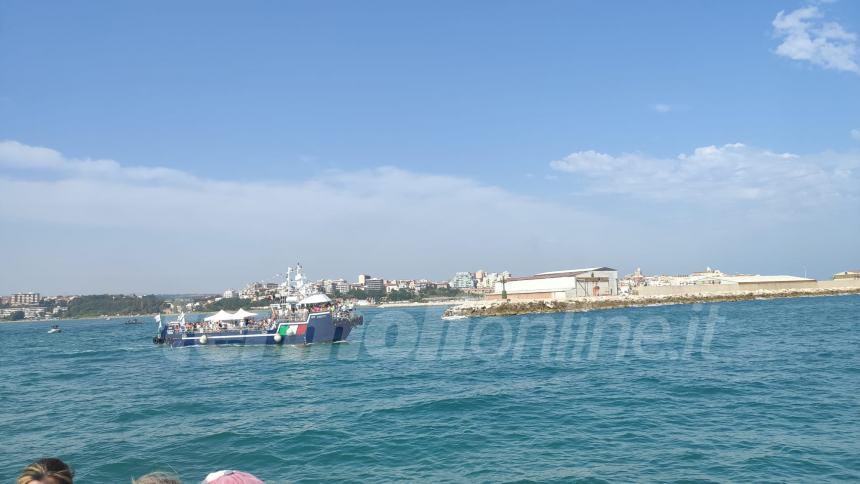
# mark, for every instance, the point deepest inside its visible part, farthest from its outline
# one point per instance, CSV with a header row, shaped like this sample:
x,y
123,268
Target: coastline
x,y
79,318
410,304
119,317
511,308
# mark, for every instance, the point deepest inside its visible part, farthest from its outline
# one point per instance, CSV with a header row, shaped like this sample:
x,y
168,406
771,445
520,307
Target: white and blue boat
x,y
298,319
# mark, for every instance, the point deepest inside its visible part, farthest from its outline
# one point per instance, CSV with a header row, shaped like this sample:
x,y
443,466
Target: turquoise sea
x,y
749,391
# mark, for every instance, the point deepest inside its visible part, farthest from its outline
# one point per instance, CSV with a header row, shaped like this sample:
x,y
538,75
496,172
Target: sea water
x,y
747,391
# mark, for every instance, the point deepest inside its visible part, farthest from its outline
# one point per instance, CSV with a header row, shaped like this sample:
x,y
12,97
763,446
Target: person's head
x,y
46,471
157,478
231,477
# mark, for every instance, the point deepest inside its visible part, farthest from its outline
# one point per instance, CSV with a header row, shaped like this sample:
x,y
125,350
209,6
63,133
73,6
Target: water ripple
x,y
774,398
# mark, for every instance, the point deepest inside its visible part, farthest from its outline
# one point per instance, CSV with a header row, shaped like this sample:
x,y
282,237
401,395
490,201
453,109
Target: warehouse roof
x,y
554,274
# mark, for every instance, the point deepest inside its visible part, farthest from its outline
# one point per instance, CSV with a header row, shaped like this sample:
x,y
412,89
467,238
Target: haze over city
x,y
365,139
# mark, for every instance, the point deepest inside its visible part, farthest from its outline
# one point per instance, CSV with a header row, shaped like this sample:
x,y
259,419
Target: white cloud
x,y
591,162
16,155
81,225
855,133
732,172
661,108
387,220
103,192
807,37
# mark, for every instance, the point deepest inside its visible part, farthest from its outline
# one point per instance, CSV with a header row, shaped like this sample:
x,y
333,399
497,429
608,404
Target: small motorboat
x,y
55,329
454,317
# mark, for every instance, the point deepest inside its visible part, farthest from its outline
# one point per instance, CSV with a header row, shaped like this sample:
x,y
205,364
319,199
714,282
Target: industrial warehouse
x,y
597,282
725,284
560,285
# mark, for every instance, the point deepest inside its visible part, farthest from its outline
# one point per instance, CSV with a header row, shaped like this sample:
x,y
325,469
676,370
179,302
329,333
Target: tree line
x,y
97,305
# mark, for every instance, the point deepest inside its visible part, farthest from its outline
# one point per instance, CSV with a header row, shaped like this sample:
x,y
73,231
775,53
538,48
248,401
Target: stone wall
x,y
526,296
756,286
686,290
777,286
847,283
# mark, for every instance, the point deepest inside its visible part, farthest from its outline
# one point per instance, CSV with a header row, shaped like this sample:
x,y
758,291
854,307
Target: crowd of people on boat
x,y
55,471
280,313
216,326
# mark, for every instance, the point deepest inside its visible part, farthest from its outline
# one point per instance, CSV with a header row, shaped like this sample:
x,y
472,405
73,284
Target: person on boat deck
x,y
46,471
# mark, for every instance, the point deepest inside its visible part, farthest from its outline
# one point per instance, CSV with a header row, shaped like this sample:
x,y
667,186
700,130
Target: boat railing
x,y
294,316
260,325
348,317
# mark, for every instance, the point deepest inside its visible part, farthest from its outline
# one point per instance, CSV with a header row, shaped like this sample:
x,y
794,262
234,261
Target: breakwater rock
x,y
512,308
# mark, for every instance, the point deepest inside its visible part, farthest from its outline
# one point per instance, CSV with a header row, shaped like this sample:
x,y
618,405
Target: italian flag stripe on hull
x,y
295,329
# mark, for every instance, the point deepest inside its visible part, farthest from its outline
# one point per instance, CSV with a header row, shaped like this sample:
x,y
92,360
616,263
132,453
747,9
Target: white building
x,y
333,286
230,294
589,282
714,281
24,298
399,284
250,291
30,312
490,279
847,275
341,286
463,280
421,285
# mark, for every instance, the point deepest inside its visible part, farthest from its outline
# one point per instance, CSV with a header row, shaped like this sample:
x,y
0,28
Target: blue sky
x,y
570,115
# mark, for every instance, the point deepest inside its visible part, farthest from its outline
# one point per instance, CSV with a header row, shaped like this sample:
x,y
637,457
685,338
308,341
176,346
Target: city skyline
x,y
529,137
479,278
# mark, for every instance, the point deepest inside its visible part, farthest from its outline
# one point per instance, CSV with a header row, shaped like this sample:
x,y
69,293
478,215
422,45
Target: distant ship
x,y
300,317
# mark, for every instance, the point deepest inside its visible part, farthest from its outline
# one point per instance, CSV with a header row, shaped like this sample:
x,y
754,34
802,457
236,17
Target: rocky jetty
x,y
512,308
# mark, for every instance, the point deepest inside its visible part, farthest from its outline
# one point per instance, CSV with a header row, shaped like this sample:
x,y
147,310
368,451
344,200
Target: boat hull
x,y
319,328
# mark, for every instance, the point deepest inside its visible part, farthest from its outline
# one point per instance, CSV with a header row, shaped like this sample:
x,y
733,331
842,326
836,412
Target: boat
x,y
133,321
300,317
454,317
55,329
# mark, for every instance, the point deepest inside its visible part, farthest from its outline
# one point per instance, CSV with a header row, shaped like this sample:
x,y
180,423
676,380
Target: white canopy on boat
x,y
315,299
242,314
221,316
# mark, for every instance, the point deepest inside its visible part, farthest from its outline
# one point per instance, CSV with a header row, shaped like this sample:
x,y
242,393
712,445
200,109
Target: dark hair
x,y
157,478
45,468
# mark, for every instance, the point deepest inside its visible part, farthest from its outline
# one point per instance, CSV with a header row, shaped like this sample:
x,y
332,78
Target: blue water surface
x,y
748,391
